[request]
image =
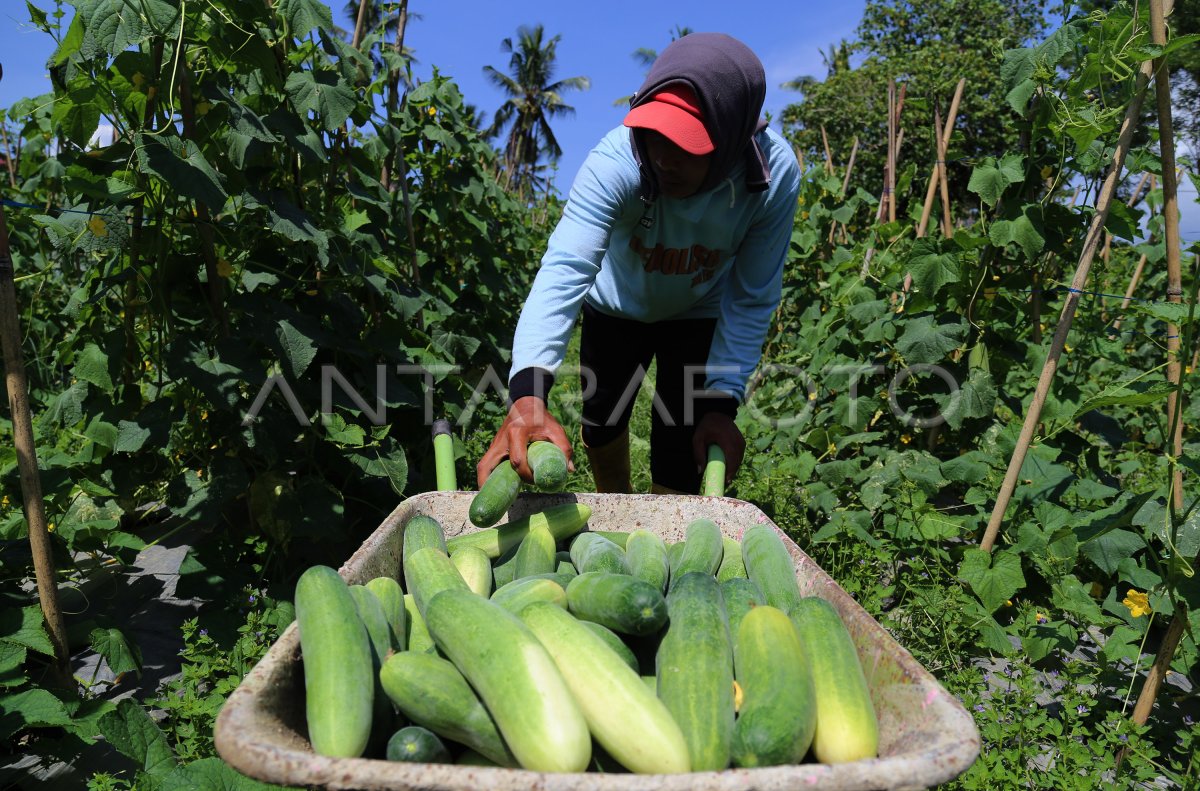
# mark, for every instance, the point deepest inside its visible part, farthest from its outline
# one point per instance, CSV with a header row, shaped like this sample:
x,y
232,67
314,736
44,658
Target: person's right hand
x,y
528,420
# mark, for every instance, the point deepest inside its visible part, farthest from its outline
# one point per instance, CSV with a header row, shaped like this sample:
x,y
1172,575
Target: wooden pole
x,y
828,155
1091,245
358,23
31,485
947,227
845,186
1170,213
944,144
889,188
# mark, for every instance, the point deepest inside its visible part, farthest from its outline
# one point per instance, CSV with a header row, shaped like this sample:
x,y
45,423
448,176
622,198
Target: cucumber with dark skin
x,y
496,495
625,604
415,744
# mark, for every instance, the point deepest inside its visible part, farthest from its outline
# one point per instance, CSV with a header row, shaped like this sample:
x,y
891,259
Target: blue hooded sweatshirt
x,y
635,254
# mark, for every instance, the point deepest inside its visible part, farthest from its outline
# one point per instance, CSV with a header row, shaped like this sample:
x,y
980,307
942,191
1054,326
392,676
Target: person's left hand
x,y
719,429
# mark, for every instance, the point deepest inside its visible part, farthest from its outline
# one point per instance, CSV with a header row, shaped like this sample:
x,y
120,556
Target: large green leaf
x,y
91,365
990,178
976,398
31,708
131,731
121,655
1110,549
210,774
994,576
25,626
298,348
1023,230
1130,394
77,113
12,664
323,93
932,267
926,341
184,169
110,26
302,16
131,436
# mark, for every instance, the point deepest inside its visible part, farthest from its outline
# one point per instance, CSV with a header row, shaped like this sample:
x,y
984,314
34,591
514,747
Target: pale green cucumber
x,y
519,594
592,552
623,603
476,569
416,635
391,597
564,521
496,496
505,570
702,548
847,728
422,531
778,714
732,566
624,716
535,553
429,573
647,556
618,537
549,465
566,568
614,641
740,596
770,566
515,677
431,692
339,678
695,670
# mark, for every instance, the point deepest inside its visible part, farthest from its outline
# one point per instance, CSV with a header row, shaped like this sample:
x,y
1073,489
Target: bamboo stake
x,y
944,144
845,186
947,226
1170,211
828,155
889,188
1075,197
358,23
1091,245
31,485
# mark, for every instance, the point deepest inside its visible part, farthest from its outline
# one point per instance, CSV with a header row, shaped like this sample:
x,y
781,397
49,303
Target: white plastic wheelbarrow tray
x,y
926,736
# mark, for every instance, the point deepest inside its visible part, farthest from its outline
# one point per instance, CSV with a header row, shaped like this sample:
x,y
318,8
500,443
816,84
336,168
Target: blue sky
x,y
463,36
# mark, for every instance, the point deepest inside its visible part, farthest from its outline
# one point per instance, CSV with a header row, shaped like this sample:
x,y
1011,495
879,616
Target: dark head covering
x,y
729,81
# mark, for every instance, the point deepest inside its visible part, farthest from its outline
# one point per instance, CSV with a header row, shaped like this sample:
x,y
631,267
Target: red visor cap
x,y
674,112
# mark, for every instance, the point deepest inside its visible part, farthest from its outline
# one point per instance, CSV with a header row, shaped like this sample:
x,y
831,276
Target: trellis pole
x,y
31,484
1162,89
944,134
1092,243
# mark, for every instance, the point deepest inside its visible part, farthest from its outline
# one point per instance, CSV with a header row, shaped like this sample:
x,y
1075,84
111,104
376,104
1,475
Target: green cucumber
x,y
431,692
702,548
564,521
626,718
549,465
422,531
496,496
379,632
674,555
391,597
732,566
339,679
647,556
416,636
566,568
847,728
618,537
515,677
592,552
778,715
695,670
740,596
476,569
770,566
535,553
614,641
430,572
519,594
623,603
505,570
418,745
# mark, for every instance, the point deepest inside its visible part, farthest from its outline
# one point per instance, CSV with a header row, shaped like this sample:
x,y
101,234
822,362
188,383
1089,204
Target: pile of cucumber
x,y
537,644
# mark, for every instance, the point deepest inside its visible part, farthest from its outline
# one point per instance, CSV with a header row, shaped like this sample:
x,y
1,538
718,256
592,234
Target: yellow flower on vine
x,y
905,438
224,268
1137,602
98,227
432,111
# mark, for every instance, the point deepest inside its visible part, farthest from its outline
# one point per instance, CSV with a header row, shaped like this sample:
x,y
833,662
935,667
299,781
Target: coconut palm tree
x,y
534,97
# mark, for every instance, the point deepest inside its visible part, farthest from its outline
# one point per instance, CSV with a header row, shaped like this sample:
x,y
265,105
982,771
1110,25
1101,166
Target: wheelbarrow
x,y
926,737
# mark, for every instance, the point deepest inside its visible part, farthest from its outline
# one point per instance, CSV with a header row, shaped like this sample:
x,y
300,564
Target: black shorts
x,y
614,355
